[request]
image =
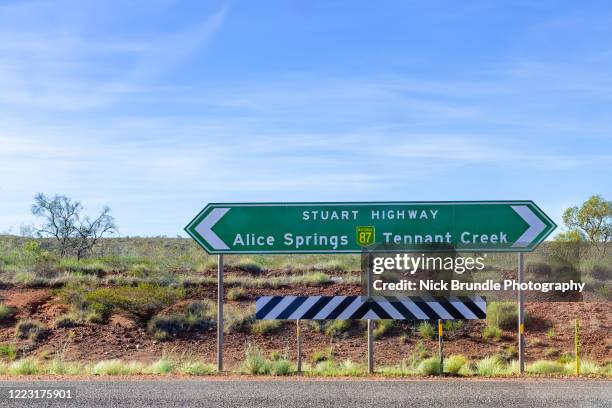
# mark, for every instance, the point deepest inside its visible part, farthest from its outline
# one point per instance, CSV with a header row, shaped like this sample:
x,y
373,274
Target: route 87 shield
x,y
365,236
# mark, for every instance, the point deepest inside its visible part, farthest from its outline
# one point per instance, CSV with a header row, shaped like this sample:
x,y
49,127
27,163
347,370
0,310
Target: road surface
x,y
289,393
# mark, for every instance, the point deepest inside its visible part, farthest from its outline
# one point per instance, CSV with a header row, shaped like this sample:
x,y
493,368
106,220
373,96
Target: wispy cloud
x,y
63,68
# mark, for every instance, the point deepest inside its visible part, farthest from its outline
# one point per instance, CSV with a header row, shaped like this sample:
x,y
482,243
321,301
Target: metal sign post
x,y
370,329
220,314
299,346
521,314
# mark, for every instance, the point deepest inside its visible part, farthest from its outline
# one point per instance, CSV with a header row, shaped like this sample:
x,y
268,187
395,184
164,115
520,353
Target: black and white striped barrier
x,y
376,308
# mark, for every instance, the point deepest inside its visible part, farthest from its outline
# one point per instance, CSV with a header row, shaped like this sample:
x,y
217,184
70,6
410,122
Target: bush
x,y
281,367
30,329
250,266
489,366
196,316
142,301
347,368
67,320
197,368
601,272
6,313
454,363
451,326
236,294
238,319
545,367
337,328
315,279
161,366
429,366
491,332
322,355
109,367
27,366
9,351
504,315
255,362
266,326
383,327
426,330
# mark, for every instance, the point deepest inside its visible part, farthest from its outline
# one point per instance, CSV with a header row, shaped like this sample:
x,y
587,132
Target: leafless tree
x,y
63,221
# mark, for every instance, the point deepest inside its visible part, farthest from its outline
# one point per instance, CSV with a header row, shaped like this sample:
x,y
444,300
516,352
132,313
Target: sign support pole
x,y
370,327
299,346
220,314
521,314
370,347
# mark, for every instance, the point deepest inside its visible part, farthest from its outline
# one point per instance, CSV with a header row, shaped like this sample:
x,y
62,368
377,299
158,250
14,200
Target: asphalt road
x,y
168,393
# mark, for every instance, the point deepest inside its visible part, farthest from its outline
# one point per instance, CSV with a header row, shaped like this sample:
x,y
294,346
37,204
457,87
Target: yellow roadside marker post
x,y
440,346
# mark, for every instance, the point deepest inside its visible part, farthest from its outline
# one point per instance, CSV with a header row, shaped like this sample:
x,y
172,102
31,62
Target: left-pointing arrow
x,y
204,228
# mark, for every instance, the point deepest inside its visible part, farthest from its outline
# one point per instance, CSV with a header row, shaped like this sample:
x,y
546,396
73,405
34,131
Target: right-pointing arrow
x,y
535,226
204,228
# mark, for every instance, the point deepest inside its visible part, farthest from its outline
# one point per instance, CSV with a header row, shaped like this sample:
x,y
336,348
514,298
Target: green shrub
x,y
250,266
142,301
110,367
429,366
315,279
322,355
545,367
346,368
30,329
504,315
586,367
383,327
197,368
281,367
238,319
426,330
491,332
236,294
550,333
197,316
552,352
454,363
451,326
70,319
161,366
337,328
255,362
509,353
266,326
6,312
8,350
94,316
490,366
26,366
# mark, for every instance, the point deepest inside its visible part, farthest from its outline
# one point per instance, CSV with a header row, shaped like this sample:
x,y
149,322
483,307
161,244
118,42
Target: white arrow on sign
x,y
204,228
535,226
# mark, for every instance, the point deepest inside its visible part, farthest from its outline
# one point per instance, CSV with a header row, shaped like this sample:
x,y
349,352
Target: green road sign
x,y
268,228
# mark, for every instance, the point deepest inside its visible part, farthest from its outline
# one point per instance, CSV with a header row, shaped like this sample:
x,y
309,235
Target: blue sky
x,y
156,108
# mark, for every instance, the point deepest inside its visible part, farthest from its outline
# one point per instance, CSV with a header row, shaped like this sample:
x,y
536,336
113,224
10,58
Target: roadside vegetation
x,y
257,363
